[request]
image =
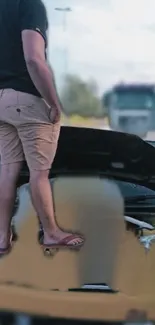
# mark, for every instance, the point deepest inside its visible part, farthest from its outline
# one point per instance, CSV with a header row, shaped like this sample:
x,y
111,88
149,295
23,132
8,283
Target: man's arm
x,y
41,75
33,29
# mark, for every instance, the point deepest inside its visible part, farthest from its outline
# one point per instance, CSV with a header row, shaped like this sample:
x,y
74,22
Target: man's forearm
x,y
43,79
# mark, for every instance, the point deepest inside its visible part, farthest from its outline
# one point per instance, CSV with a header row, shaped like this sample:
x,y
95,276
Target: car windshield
x,y
93,48
130,99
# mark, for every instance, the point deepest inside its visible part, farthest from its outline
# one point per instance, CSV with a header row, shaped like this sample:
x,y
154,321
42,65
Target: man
x,y
29,117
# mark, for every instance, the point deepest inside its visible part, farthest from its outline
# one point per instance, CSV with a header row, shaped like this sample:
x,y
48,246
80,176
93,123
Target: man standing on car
x,y
29,117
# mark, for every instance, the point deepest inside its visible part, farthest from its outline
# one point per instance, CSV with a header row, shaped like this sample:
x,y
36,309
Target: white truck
x,y
130,107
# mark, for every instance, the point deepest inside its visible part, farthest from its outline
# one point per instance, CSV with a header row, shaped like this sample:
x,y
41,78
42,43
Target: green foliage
x,y
81,98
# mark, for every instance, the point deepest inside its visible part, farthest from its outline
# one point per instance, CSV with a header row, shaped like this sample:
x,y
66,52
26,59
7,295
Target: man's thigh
x,y
39,143
10,145
38,134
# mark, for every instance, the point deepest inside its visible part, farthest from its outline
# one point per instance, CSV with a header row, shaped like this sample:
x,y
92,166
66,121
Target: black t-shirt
x,y
15,16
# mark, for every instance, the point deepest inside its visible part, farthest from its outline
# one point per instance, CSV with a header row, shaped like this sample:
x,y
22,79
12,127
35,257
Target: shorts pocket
x,y
50,111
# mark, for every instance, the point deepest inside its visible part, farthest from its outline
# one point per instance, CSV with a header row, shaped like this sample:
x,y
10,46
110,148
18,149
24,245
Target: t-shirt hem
x,y
26,91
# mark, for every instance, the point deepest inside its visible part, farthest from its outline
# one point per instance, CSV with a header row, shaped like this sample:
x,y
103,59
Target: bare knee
x,y
38,175
10,172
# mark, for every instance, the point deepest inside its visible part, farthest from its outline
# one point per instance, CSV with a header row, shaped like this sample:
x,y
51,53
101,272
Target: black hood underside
x,y
84,151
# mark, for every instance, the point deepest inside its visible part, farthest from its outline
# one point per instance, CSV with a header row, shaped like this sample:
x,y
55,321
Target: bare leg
x,y
43,203
9,174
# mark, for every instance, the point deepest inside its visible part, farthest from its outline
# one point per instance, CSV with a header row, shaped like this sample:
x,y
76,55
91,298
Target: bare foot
x,y
58,236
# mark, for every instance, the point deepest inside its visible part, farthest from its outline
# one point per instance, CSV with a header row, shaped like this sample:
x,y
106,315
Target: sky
x,y
107,40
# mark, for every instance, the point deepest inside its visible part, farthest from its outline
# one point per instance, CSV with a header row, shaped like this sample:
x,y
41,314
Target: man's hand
x,y
55,115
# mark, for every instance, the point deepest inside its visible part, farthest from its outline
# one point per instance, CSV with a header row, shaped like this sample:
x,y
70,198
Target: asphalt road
x,y
150,136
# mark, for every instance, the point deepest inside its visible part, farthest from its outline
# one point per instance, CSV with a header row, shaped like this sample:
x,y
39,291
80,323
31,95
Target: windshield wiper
x,y
139,198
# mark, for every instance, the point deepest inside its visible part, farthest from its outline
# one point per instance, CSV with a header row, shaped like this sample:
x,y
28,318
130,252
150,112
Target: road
x,y
150,136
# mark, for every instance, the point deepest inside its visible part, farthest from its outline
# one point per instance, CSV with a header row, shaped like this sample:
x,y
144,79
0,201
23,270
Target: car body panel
x,y
104,153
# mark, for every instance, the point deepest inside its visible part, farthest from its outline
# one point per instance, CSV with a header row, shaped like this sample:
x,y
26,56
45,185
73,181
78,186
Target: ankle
x,y
4,237
49,233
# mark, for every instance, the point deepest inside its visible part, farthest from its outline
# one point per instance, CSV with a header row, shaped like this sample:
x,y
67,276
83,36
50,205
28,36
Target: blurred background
x,y
103,55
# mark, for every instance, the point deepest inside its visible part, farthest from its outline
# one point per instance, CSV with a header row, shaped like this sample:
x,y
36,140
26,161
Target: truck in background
x,y
130,107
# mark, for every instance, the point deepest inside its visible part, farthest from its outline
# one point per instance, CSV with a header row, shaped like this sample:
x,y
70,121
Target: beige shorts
x,y
26,130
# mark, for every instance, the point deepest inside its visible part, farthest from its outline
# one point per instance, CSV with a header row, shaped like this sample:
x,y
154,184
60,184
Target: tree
x,y
79,97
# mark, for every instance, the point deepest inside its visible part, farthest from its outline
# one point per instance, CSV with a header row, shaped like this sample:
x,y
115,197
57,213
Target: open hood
x,y
105,153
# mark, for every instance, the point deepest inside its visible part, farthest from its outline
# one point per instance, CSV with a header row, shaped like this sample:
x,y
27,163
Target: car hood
x,y
104,153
